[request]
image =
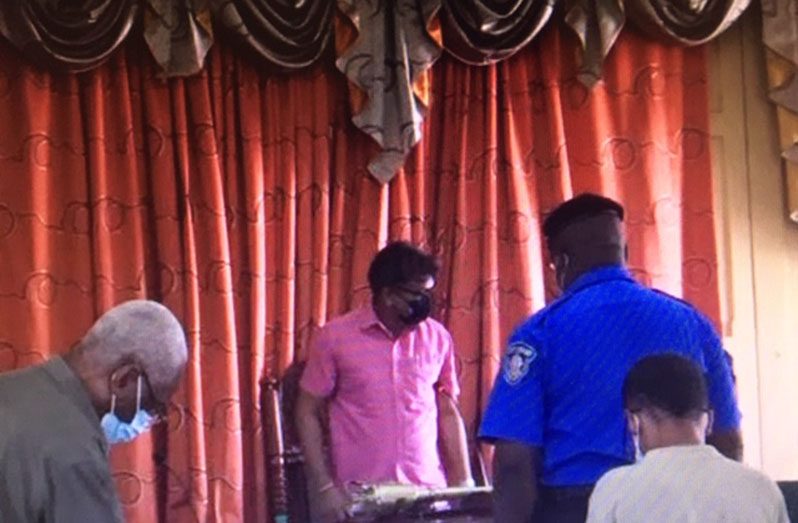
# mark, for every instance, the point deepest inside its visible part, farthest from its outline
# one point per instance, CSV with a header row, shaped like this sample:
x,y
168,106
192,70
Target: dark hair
x,y
585,205
398,263
668,381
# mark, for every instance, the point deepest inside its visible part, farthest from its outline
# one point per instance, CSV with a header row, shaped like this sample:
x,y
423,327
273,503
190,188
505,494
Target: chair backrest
x,y
287,485
289,392
274,449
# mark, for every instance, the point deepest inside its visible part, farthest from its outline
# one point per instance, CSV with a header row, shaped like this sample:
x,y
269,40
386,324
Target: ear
x,y
124,377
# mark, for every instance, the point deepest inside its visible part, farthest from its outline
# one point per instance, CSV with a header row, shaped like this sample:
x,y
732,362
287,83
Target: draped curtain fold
x,y
688,22
242,200
597,24
387,59
288,34
178,34
73,37
481,32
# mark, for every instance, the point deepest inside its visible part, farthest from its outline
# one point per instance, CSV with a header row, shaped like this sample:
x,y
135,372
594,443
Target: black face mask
x,y
420,309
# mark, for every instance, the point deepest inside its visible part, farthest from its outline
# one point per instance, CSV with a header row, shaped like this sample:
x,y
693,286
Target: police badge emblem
x,y
517,360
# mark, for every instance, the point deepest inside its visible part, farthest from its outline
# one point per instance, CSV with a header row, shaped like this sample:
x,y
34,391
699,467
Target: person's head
x,y
583,233
401,278
666,402
131,359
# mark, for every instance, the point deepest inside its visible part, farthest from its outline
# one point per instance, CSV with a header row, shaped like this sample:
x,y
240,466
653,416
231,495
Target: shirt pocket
x,y
419,375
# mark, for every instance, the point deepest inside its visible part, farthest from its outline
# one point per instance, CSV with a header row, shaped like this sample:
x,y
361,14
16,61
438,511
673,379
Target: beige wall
x,y
758,250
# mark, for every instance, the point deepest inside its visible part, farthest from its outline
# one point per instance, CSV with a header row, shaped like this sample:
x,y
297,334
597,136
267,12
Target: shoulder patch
x,y
516,363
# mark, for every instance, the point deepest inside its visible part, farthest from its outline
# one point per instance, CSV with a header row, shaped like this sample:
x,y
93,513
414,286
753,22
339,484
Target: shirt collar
x,y
368,319
676,450
600,275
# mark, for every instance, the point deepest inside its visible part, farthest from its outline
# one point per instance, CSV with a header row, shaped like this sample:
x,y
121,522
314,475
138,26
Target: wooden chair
x,y
287,494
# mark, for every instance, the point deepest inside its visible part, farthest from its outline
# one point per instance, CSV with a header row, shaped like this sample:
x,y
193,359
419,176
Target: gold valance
x,y
385,48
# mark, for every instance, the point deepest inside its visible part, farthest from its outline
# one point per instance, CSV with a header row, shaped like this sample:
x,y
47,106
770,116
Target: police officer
x,y
555,414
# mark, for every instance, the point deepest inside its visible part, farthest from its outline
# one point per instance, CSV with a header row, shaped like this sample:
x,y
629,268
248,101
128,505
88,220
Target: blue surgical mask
x,y
118,431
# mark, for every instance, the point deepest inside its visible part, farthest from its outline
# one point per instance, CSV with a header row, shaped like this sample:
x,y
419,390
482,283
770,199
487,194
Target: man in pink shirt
x,y
387,374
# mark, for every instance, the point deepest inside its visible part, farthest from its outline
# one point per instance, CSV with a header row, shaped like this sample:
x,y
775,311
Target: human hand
x,y
466,483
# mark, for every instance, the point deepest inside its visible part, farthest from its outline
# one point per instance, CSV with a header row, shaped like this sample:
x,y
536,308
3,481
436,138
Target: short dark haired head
x,y
669,382
399,263
586,205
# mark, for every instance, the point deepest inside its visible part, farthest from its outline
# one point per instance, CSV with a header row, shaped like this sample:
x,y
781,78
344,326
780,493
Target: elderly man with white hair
x,y
58,418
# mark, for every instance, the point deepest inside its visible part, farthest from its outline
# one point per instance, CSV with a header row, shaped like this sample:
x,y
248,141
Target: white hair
x,y
143,332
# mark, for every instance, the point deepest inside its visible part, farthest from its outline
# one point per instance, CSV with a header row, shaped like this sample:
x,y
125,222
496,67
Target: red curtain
x,y
242,202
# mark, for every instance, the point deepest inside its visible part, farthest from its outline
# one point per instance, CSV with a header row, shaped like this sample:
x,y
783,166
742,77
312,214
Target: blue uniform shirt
x,y
560,383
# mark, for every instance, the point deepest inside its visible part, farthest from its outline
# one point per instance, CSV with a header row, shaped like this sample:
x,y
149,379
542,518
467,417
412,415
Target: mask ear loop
x,y
138,394
113,403
708,430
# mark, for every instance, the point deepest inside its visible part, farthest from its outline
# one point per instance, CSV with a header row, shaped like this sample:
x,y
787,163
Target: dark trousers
x,y
562,504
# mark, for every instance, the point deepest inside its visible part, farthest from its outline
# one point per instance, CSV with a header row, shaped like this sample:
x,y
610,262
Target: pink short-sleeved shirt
x,y
383,413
